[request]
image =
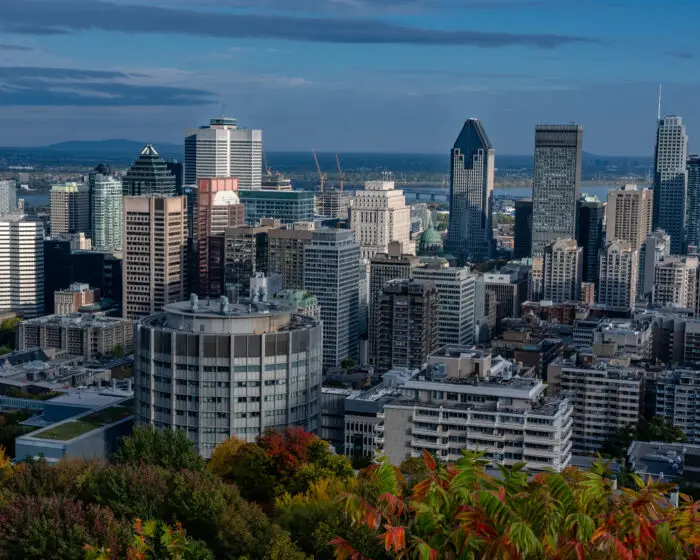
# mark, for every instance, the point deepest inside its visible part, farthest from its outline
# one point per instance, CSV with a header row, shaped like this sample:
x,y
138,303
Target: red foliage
x,y
288,449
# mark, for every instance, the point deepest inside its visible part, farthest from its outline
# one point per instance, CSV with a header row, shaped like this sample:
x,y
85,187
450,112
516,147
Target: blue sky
x,y
348,75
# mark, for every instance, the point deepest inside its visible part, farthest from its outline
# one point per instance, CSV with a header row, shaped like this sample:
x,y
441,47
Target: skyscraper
x,y
149,175
286,206
617,284
70,209
692,226
106,212
155,242
469,233
522,229
591,212
562,271
671,180
656,248
223,149
676,282
629,215
218,208
331,273
556,184
379,216
21,266
407,319
286,255
8,197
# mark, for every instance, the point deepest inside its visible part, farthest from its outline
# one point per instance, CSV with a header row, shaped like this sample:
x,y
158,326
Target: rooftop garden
x,y
84,424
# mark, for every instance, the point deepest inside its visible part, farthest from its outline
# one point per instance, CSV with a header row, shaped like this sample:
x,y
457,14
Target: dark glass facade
x,y
591,212
287,206
522,229
149,175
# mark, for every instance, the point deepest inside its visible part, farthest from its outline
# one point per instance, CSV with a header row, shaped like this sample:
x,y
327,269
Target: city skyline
x,y
344,76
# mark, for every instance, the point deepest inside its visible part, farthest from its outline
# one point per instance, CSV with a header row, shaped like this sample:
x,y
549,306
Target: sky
x,y
348,75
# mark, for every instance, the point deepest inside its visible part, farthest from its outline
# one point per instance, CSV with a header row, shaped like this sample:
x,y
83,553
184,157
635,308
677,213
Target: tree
x,y
656,429
221,460
347,364
169,449
460,511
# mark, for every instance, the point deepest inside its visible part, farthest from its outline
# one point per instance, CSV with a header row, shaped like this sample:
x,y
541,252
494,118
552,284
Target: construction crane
x,y
321,175
340,172
268,171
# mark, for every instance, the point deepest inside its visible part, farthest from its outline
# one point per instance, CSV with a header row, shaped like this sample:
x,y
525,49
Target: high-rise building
x,y
245,255
21,266
333,203
629,215
223,149
380,216
675,282
155,261
8,197
106,211
218,208
617,283
556,186
562,271
469,233
510,286
331,273
591,213
656,248
70,209
692,226
149,175
671,180
177,169
407,324
286,255
522,229
286,206
457,300
278,384
384,267
677,392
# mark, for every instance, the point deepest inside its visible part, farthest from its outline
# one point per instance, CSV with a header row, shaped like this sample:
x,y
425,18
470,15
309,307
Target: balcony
x,y
539,439
426,444
379,428
534,452
379,441
424,432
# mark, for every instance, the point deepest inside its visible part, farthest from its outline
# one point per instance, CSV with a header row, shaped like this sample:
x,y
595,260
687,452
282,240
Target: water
x,y
34,199
601,191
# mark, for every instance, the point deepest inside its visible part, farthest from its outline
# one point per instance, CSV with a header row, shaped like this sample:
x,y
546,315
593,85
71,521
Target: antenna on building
x,y
658,113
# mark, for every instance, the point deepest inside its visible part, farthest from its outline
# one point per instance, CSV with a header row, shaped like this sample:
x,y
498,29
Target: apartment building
x,y
675,282
678,401
563,262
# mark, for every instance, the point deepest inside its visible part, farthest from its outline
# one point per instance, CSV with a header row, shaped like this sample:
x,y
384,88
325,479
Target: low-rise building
x,y
71,300
678,401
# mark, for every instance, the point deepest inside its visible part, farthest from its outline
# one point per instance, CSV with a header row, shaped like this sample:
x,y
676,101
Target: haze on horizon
x,y
348,75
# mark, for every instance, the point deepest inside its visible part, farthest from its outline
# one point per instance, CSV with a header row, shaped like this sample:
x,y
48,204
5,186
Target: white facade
x,y
678,401
21,266
107,212
617,277
8,197
380,216
222,149
456,302
675,282
70,208
563,267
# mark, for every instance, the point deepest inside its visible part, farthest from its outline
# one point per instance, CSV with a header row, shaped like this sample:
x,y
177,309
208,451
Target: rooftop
x,y
662,460
79,320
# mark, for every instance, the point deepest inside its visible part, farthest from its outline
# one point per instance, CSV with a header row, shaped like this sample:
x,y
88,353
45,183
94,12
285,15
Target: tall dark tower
x,y
522,231
470,233
591,212
149,175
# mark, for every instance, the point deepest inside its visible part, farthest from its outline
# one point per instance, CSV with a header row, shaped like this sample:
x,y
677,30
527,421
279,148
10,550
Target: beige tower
x,y
563,265
70,209
155,246
629,215
617,279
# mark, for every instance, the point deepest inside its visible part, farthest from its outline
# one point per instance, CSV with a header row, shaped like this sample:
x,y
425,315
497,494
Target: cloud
x,y
16,48
683,55
37,86
46,16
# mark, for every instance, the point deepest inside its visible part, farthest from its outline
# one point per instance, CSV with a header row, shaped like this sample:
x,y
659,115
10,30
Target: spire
x,y
658,113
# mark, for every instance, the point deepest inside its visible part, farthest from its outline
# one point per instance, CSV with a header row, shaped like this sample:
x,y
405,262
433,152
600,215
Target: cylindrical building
x,y
220,369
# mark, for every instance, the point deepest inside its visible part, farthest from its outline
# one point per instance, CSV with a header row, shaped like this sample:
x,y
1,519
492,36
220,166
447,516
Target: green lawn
x,y
75,428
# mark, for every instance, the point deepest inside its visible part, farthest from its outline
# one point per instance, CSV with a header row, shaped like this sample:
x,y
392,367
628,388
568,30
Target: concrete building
x,y
332,427
692,220
407,323
632,338
617,283
71,300
457,300
470,231
21,266
333,203
70,209
556,185
563,265
591,215
8,197
106,210
671,180
227,369
245,255
218,208
304,302
675,282
155,245
668,341
286,206
691,342
149,175
384,267
286,254
678,401
629,215
331,273
522,229
223,149
606,396
510,287
380,216
655,248
80,335
465,400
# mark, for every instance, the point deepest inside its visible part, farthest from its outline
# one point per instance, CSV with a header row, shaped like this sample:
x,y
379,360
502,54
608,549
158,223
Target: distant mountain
x,y
119,146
